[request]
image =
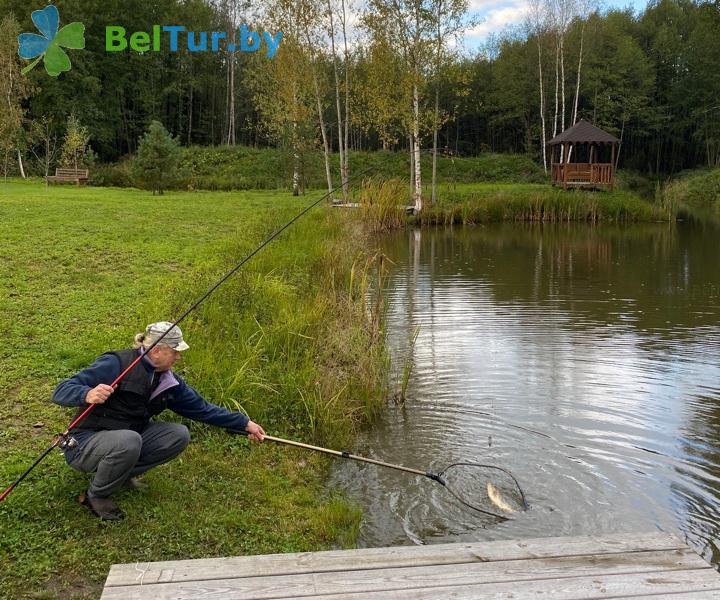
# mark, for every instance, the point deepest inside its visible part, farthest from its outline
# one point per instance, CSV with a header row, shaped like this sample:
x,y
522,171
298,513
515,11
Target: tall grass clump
x,y
289,340
696,193
383,203
408,363
541,203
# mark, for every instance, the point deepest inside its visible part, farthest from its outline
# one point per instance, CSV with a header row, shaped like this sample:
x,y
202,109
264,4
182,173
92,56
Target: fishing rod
x,y
64,440
451,477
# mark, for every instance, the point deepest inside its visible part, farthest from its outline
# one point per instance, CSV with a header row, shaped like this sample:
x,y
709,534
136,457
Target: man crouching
x,y
116,440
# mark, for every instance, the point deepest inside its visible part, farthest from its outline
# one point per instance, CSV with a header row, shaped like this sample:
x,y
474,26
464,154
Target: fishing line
x,y
64,440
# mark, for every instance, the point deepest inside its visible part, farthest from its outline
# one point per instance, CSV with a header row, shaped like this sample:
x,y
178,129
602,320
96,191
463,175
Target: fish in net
x,y
487,489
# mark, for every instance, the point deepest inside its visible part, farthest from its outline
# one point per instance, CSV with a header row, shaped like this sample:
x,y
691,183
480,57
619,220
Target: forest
x,y
384,74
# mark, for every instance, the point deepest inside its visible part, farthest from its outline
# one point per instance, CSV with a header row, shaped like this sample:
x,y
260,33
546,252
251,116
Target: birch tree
x,y
282,89
583,10
343,122
449,24
561,13
309,14
381,92
14,89
536,24
43,144
406,26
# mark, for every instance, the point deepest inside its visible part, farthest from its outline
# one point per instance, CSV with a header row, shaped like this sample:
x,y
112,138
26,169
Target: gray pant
x,y
115,456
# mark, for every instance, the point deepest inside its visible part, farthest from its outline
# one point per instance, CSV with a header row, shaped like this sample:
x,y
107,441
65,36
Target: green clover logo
x,y
49,46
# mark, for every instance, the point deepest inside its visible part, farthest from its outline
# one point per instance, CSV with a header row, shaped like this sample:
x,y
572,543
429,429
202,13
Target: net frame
x,y
456,494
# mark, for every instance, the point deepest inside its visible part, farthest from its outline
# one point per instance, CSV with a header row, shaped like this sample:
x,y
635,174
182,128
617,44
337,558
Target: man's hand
x,y
99,394
255,432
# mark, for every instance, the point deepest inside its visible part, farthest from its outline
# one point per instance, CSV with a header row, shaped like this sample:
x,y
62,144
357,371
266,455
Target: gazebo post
x,y
612,166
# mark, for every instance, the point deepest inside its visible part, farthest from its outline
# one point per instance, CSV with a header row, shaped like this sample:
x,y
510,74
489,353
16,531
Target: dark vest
x,y
129,407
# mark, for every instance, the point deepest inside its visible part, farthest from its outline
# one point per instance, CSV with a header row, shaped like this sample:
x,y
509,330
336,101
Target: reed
x,y
401,395
383,203
480,203
694,193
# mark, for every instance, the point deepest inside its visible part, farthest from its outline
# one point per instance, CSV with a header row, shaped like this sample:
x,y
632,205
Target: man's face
x,y
163,357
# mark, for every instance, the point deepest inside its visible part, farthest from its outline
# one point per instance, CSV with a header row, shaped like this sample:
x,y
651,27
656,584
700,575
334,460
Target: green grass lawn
x,y
81,271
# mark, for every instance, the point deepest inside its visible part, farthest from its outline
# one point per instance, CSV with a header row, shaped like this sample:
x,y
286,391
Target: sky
x,y
498,15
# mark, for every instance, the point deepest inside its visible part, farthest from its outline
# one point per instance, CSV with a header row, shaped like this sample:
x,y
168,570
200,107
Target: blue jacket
x,y
182,398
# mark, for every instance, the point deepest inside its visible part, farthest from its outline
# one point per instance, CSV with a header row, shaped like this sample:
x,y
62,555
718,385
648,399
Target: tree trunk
x,y
47,158
296,167
562,79
230,139
417,196
433,190
342,148
412,165
326,147
20,164
622,132
345,167
190,116
577,82
296,154
557,86
542,106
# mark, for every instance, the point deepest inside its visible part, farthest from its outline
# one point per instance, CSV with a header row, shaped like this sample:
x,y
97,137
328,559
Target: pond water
x,y
583,359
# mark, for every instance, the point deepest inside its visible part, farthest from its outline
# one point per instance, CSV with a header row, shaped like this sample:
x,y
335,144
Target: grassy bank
x,y
81,271
695,193
384,204
243,168
485,203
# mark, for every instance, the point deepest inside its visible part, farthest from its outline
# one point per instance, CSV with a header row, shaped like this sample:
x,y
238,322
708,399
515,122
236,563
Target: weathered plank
x,y
595,587
692,595
630,585
425,577
371,558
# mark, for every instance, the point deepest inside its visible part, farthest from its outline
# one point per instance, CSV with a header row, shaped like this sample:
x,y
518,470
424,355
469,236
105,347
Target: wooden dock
x,y
654,565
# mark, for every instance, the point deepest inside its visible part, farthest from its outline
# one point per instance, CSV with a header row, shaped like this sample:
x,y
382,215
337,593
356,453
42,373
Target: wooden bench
x,y
77,176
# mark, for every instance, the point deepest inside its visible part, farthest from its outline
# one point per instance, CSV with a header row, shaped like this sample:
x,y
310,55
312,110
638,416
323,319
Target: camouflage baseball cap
x,y
174,337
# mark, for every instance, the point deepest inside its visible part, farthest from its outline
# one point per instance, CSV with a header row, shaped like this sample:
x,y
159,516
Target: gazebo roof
x,y
584,132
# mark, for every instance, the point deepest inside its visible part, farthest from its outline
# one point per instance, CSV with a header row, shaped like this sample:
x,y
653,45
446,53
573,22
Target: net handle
x,y
344,454
434,476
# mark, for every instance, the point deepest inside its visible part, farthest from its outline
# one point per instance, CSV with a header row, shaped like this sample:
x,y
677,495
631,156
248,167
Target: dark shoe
x,y
133,483
104,508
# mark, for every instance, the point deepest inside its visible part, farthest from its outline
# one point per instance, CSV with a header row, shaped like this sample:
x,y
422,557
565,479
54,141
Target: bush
x,y
634,181
695,192
115,175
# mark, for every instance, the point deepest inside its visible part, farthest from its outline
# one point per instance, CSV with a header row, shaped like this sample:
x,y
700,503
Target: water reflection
x,y
583,359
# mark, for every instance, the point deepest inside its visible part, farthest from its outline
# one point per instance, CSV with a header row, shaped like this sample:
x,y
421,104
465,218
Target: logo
x,y
49,46
118,40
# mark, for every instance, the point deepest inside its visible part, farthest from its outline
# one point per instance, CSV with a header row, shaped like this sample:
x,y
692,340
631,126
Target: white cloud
x,y
496,17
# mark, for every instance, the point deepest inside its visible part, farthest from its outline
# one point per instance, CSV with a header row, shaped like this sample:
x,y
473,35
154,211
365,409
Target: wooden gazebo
x,y
591,145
